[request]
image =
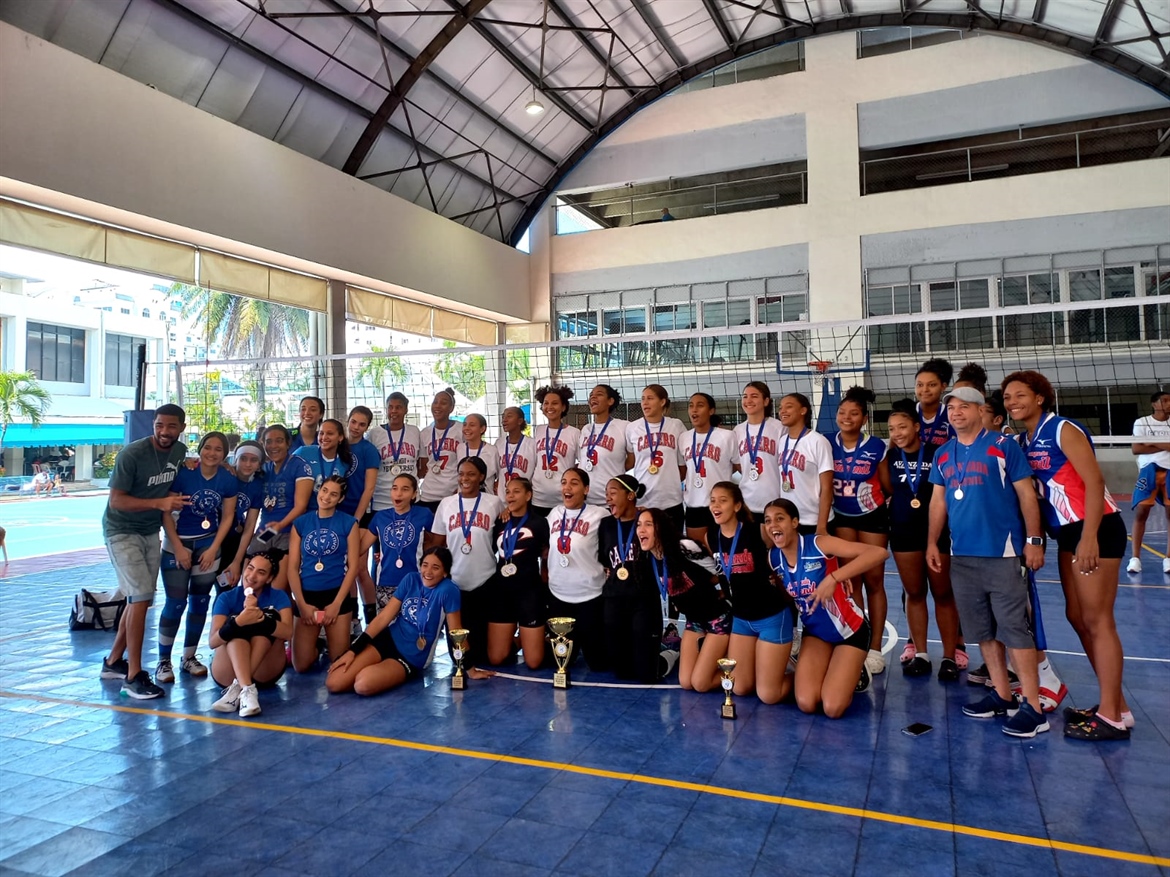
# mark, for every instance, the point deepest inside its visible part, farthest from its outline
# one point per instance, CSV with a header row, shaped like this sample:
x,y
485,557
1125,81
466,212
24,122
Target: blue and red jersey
x,y
935,432
856,488
1061,488
834,620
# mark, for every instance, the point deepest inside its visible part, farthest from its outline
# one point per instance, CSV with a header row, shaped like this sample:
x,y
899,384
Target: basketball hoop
x,y
820,366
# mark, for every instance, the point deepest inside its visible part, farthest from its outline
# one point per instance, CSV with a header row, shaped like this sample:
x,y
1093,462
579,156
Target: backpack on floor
x,y
96,610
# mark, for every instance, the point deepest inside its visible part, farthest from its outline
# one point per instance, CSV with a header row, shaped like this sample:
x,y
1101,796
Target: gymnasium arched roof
x,y
426,98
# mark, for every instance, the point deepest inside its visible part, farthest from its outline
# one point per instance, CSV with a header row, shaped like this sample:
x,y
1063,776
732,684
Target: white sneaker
x,y
164,672
1134,566
874,662
249,701
1166,566
193,666
229,701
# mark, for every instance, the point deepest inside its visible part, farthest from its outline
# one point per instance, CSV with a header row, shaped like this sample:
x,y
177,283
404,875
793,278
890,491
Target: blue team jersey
x,y
201,518
937,432
365,458
251,496
1062,490
298,441
280,489
986,521
231,601
321,468
399,538
856,488
421,614
323,542
835,620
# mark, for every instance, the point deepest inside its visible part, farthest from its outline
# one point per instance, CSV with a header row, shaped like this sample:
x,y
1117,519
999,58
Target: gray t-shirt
x,y
144,473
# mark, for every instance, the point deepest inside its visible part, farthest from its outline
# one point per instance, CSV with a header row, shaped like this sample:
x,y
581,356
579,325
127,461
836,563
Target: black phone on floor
x,y
917,729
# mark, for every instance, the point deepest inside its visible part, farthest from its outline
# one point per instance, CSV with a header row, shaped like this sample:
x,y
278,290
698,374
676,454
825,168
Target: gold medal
x,y
421,642
916,503
319,566
653,469
623,573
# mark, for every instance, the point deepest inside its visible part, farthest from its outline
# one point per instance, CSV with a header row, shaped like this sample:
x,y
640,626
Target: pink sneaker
x,y
908,653
961,660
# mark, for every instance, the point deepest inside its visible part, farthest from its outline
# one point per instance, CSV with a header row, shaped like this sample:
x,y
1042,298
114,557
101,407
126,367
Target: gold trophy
x,y
458,641
562,649
727,668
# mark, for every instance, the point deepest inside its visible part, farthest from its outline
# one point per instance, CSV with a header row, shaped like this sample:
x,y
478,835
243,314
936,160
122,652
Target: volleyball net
x,y
1104,358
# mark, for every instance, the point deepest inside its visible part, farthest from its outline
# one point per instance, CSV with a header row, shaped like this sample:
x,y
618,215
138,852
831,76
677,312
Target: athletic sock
x,y
1119,725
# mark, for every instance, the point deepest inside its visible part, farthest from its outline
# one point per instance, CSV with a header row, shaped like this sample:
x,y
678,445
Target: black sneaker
x,y
141,687
991,705
863,682
948,671
978,676
917,666
116,670
1095,730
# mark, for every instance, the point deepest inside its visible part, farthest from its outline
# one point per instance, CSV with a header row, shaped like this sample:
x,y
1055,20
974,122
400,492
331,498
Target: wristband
x,y
230,630
360,643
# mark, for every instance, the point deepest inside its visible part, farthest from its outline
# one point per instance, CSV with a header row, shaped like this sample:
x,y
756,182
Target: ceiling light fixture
x,y
534,107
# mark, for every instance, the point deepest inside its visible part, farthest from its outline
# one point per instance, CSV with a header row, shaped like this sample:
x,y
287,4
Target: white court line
x,y
576,684
1081,654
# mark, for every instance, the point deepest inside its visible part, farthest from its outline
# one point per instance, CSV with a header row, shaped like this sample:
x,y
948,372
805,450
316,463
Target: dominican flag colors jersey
x,y
280,488
765,487
365,457
517,460
1062,490
856,489
421,613
400,537
835,620
603,446
709,459
937,431
659,445
986,521
479,516
323,541
441,449
556,451
250,496
399,448
207,496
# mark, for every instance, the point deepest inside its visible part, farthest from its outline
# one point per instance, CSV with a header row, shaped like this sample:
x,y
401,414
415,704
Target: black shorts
x,y
698,518
433,506
520,599
908,538
1112,538
861,639
364,523
804,529
877,521
324,597
388,649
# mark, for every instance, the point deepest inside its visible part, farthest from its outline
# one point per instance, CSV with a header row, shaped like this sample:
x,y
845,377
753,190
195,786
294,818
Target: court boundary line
x,y
602,773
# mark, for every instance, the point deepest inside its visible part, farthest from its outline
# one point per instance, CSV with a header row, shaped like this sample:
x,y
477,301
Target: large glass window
x,y
1157,316
1115,324
624,321
56,353
121,356
885,301
675,318
782,309
724,315
1030,330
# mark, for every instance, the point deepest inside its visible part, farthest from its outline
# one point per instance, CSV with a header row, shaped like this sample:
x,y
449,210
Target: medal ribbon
x,y
436,449
425,603
591,446
624,544
917,479
465,523
396,545
509,465
511,536
754,449
962,473
550,448
565,543
654,444
727,561
698,459
661,575
396,450
784,458
478,451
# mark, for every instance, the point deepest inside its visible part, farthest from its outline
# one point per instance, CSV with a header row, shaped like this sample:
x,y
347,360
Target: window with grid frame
x,y
121,356
1156,282
788,308
55,353
883,301
1025,329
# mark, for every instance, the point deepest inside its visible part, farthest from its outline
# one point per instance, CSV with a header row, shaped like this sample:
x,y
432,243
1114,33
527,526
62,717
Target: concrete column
x,y
14,461
336,386
83,463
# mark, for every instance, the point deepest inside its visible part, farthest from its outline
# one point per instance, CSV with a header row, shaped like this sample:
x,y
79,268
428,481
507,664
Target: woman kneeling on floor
x,y
387,655
249,627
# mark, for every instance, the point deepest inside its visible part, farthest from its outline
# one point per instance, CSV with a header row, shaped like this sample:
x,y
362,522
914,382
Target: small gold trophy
x,y
727,668
562,649
458,641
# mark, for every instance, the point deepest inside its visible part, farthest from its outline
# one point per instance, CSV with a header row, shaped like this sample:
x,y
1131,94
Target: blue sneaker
x,y
1027,722
990,706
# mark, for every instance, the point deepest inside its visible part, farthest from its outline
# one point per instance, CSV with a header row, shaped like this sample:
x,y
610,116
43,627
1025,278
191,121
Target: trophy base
x,y
458,683
728,711
560,679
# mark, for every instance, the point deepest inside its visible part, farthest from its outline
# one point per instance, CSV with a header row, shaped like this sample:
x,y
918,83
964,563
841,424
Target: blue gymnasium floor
x,y
512,778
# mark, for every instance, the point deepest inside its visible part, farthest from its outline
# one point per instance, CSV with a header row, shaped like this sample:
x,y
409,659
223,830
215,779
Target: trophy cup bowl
x,y
562,649
458,642
727,668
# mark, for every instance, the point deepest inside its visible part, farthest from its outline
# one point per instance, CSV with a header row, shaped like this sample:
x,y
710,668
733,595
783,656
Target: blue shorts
x,y
773,629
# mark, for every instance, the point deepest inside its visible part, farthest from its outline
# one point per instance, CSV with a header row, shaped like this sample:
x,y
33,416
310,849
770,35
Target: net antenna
x,y
824,374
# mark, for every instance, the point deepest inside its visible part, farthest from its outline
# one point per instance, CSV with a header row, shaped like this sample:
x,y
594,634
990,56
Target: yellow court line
x,y
779,800
1152,551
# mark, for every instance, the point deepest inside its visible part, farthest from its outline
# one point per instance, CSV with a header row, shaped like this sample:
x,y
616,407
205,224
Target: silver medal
x,y
548,473
398,563
564,560
508,570
959,493
698,482
754,474
395,470
465,548
206,525
587,466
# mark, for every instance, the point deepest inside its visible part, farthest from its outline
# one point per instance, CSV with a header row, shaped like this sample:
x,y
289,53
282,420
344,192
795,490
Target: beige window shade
x,y
28,227
137,252
460,327
365,306
526,333
224,273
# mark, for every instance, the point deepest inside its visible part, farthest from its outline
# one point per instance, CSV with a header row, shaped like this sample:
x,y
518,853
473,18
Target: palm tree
x,y
384,367
21,398
246,328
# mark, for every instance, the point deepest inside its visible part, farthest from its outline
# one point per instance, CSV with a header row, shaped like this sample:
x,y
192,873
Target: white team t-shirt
x,y
555,452
764,440
664,488
469,571
397,449
805,459
1159,431
442,456
517,460
583,576
709,460
603,455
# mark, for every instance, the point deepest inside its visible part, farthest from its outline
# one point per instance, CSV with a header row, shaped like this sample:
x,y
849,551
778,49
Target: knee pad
x,y
199,603
173,608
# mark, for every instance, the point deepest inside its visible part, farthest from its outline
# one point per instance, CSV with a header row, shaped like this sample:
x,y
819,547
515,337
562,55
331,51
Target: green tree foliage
x,y
465,372
21,398
383,373
203,402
